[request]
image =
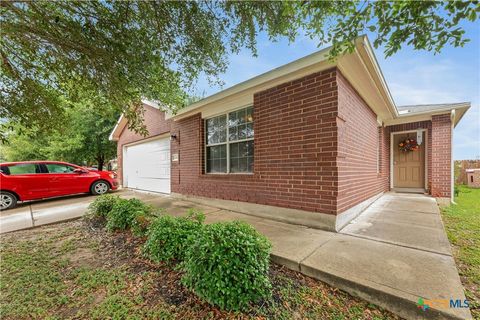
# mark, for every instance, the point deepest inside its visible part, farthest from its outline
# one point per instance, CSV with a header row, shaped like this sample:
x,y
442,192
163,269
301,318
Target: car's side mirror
x,y
80,171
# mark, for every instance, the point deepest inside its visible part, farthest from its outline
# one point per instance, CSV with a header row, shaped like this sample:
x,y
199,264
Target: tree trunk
x,y
100,163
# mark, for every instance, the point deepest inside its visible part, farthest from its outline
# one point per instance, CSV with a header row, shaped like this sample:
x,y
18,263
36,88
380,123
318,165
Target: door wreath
x,y
408,144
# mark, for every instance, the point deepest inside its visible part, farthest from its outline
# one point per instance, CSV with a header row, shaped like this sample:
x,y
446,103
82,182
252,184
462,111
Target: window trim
x,y
227,143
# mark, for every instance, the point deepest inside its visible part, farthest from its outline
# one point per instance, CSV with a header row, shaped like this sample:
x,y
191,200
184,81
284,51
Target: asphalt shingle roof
x,y
420,108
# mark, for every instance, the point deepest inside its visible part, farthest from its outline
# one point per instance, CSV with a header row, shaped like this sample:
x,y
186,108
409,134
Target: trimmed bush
x,y
130,213
170,237
228,265
101,206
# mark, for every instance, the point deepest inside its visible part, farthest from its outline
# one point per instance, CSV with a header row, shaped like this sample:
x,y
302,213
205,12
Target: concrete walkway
x,y
393,254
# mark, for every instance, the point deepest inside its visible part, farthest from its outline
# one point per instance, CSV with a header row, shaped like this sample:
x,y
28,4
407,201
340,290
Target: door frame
x,y
149,139
426,154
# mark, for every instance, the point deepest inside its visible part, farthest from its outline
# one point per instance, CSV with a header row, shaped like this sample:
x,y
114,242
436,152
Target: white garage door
x,y
146,166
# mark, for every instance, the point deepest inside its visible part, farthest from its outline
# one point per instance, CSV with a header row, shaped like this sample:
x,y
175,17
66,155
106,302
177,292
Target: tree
x,y
81,139
126,50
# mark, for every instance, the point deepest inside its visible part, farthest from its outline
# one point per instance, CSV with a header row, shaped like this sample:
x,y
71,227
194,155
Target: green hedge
x,y
228,265
170,238
131,213
101,206
224,263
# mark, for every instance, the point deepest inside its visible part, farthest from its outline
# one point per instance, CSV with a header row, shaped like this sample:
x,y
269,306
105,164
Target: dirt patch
x,y
82,257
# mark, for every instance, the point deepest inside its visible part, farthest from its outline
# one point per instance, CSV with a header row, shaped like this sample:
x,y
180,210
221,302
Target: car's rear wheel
x,y
7,200
99,187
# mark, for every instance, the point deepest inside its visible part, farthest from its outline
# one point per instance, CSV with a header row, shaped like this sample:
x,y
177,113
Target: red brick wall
x,y
362,145
154,120
441,155
295,150
316,146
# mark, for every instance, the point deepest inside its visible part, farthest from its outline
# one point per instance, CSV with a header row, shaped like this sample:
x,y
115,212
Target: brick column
x,y
441,155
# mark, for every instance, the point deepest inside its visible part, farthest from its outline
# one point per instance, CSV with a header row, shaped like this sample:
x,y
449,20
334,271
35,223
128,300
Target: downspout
x,y
452,179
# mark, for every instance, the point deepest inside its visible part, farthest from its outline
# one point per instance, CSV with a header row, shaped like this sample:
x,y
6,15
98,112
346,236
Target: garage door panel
x,y
147,166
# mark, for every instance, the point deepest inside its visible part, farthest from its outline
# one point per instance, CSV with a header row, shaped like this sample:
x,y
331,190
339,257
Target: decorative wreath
x,y
408,144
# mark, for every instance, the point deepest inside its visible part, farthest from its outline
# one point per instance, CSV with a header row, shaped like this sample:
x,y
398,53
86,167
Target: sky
x,y
414,77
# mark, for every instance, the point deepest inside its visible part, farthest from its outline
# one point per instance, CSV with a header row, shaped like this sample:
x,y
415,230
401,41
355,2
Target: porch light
x,y
419,137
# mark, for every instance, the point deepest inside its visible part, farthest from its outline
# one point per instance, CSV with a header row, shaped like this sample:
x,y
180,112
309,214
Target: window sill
x,y
226,175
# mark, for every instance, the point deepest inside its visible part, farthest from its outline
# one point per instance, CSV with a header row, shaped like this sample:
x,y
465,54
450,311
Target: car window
x,y
4,170
23,168
59,168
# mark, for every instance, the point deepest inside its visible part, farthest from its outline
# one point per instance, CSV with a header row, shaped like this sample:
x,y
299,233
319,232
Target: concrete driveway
x,y
37,213
393,254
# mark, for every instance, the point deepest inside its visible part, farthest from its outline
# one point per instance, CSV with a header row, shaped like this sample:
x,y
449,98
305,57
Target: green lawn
x,y
70,270
462,222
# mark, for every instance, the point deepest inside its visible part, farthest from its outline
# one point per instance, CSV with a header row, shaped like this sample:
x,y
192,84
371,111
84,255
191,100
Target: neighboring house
x,y
461,167
320,138
473,178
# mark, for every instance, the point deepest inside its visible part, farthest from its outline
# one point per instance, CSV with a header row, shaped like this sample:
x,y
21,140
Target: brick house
x,y
313,142
473,178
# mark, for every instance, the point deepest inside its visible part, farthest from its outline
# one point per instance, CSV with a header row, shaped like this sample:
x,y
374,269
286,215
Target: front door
x,y
408,166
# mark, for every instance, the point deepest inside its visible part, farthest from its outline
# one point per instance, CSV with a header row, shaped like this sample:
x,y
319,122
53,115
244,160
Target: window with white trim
x,y
229,142
379,151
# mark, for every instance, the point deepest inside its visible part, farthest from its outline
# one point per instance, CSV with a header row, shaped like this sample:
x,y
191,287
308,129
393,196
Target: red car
x,y
22,181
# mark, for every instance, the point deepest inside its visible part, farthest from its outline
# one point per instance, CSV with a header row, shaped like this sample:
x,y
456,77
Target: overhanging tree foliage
x,y
82,138
125,50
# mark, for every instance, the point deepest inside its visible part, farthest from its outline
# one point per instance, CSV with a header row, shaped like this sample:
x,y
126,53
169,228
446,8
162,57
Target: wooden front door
x,y
408,166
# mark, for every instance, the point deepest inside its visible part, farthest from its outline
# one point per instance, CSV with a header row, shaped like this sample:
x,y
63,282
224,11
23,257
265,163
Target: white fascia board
x,y
377,73
112,136
121,122
151,103
460,110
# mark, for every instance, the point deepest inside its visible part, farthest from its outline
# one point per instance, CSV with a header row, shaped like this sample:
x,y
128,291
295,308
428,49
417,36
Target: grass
x,y
69,270
462,223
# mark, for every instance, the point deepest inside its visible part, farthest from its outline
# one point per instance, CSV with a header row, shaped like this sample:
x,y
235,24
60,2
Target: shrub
x,y
170,237
101,206
127,214
456,190
228,265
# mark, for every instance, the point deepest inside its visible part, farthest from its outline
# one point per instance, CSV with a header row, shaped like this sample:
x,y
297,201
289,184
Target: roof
x,y
416,108
360,68
122,121
472,170
421,112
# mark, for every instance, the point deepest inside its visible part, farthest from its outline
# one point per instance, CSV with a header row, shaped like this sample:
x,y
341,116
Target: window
x,y
229,142
59,168
379,151
471,178
24,168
